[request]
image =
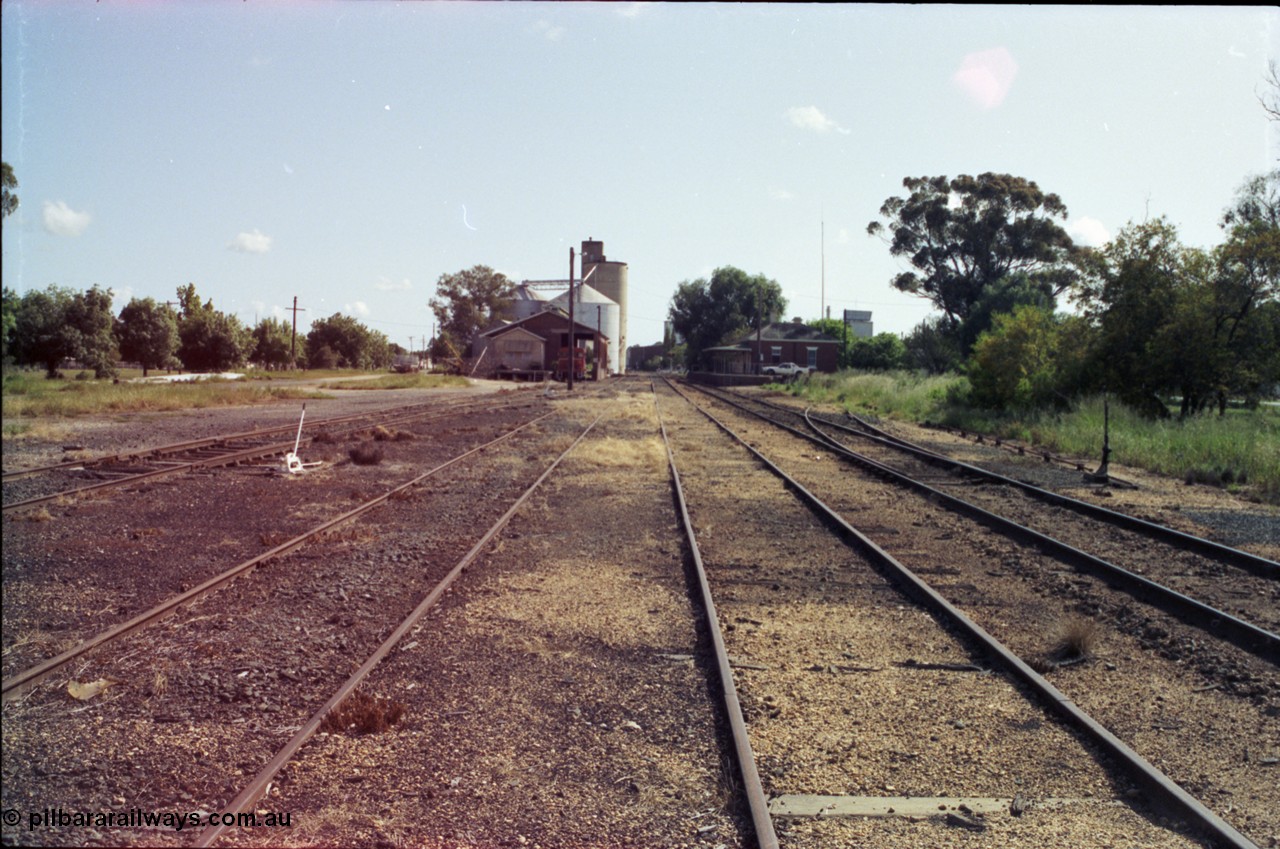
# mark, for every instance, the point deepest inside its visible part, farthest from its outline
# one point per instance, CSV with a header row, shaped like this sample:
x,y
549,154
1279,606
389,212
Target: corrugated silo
x,y
610,280
595,310
526,302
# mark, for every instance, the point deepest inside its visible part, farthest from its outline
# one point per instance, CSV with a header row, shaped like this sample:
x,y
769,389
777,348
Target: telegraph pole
x,y
293,339
572,349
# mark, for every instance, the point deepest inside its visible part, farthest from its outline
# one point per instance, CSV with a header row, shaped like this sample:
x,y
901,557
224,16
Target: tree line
x,y
52,326
1155,318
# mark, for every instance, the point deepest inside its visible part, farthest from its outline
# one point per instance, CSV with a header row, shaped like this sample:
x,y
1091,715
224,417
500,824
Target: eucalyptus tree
x,y
965,237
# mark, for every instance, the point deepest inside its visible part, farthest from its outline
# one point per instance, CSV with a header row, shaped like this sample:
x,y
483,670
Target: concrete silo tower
x,y
610,280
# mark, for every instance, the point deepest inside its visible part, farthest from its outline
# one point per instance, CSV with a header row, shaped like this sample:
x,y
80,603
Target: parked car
x,y
405,363
785,369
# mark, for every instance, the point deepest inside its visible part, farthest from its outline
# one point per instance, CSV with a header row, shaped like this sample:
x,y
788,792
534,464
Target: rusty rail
x,y
1155,782
757,801
258,786
18,682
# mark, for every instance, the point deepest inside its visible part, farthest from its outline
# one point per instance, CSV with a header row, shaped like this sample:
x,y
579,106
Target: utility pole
x,y
293,338
759,322
823,302
572,350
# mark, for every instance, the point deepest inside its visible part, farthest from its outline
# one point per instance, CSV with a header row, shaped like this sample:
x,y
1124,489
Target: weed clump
x,y
366,454
1074,641
362,714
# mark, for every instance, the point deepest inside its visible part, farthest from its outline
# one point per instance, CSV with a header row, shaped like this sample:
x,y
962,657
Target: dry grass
x,y
382,434
41,515
361,714
1074,640
587,598
365,454
612,453
349,533
271,539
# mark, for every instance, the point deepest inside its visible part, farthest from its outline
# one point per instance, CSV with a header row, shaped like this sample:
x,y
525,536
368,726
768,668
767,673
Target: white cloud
x,y
811,118
251,243
385,284
633,10
781,194
986,77
120,298
357,308
62,220
1089,232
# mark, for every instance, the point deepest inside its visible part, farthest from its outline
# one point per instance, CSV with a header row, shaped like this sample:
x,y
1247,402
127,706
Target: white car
x,y
785,369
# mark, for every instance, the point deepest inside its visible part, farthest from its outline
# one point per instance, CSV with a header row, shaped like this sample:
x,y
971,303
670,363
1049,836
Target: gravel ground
x,y
558,696
886,702
1206,714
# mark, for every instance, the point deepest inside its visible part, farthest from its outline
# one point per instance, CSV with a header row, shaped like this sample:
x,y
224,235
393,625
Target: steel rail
x,y
18,682
1242,634
1253,563
757,801
192,444
1155,782
258,786
222,458
1256,564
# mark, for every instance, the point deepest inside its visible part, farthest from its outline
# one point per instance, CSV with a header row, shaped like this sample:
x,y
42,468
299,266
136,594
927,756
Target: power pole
x,y
823,302
293,339
572,350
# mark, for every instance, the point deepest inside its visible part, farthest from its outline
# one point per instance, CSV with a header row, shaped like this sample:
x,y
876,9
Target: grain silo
x,y
610,280
526,302
593,309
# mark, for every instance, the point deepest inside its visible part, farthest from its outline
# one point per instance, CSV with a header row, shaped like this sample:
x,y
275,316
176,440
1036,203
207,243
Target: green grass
x,y
31,395
897,394
1240,450
400,381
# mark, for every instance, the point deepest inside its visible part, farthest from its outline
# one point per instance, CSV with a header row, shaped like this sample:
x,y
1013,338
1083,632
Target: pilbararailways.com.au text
x,y
138,818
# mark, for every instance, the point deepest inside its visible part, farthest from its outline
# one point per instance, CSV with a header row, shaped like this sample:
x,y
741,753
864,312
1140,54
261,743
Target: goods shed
x,y
538,346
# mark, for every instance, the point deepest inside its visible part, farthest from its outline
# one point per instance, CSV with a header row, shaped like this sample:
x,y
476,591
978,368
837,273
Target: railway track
x,y
988,605
15,684
253,792
283,625
64,480
553,697
1212,578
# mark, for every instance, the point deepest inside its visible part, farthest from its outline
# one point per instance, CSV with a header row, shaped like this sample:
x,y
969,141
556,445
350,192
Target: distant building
x,y
778,342
538,343
859,323
638,355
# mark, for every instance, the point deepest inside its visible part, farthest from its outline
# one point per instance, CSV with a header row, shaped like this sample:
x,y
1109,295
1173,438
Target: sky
x,y
348,154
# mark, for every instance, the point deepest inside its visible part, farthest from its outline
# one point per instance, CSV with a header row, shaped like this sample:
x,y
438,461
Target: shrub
x,y
362,714
366,454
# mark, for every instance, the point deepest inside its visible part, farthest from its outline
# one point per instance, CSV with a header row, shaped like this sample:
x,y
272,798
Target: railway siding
x,y
852,691
1144,667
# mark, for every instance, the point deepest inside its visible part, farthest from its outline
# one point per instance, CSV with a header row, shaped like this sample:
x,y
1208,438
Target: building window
x,y
813,358
776,353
